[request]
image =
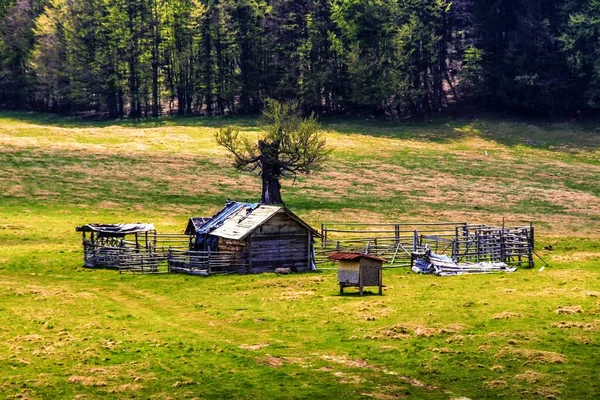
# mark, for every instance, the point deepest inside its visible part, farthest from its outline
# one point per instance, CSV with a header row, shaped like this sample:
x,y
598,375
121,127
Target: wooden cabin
x,y
358,270
258,237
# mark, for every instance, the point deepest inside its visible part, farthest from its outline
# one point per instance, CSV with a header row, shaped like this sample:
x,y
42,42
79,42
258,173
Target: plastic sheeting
x,y
116,230
441,265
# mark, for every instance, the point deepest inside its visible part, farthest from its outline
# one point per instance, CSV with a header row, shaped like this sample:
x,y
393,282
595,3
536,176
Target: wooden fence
x,y
512,245
395,243
205,262
459,240
125,259
151,256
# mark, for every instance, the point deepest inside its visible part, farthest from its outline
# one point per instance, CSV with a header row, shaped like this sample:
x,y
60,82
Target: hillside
x,y
68,331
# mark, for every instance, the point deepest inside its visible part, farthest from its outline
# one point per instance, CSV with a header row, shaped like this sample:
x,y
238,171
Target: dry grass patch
x,y
359,363
270,361
496,384
128,387
507,315
254,347
445,350
295,295
348,379
569,310
384,396
406,331
576,256
87,381
533,356
574,324
531,376
183,383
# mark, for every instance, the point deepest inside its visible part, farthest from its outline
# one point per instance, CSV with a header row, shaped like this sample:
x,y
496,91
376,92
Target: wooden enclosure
x,y
128,247
358,270
461,241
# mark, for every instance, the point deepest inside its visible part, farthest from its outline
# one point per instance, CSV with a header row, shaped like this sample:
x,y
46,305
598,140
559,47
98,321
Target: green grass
x,y
70,332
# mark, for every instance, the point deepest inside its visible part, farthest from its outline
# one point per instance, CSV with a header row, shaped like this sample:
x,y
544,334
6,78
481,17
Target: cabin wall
x,y
231,256
280,242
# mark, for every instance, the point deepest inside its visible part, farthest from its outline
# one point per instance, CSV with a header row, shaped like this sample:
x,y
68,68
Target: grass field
x,y
70,332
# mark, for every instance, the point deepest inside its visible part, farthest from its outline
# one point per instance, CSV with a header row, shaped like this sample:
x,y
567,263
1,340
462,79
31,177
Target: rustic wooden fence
x,y
125,259
512,245
130,256
205,262
393,242
396,242
164,252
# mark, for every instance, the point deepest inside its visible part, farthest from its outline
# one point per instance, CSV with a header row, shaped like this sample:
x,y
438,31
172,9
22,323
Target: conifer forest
x,y
393,58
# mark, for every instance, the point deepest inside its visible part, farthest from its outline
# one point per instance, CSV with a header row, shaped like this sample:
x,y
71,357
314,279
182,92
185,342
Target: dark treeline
x,y
386,57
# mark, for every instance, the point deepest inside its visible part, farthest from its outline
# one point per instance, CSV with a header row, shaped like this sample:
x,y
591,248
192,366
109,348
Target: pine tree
x,y
16,31
48,58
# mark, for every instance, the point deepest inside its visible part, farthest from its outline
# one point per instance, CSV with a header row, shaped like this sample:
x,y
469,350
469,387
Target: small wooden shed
x,y
358,270
103,244
261,237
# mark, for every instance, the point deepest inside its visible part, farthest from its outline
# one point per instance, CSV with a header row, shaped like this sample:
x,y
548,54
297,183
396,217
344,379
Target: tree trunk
x,y
271,188
155,58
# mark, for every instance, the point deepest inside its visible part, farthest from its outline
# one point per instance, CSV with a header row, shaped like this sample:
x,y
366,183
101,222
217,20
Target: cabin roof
x,y
195,223
238,220
116,230
349,256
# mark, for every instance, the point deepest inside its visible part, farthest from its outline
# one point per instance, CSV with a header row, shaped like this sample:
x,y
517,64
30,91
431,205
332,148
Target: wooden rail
x,y
461,241
205,262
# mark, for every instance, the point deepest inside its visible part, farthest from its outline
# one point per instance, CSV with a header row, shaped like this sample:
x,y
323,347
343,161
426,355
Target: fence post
x,y
455,244
415,240
169,255
502,244
208,263
531,245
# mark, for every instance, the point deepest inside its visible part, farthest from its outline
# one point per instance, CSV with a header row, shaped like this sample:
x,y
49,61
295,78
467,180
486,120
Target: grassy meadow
x,y
71,332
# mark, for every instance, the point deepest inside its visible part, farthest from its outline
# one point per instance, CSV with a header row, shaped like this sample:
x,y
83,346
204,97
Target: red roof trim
x,y
353,256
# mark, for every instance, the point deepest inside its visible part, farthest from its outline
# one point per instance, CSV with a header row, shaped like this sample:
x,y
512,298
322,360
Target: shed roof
x,y
116,230
349,256
238,220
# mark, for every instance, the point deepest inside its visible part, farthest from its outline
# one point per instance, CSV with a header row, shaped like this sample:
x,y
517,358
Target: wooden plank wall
x,y
279,243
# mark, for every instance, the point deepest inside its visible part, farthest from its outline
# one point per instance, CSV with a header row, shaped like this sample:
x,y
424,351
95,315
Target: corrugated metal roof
x,y
196,223
237,220
347,256
242,222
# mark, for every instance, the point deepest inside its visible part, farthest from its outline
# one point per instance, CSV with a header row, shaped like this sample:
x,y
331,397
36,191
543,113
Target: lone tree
x,y
289,145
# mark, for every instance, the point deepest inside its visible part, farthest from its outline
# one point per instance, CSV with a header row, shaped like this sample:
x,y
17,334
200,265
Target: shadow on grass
x,y
511,131
356,294
165,121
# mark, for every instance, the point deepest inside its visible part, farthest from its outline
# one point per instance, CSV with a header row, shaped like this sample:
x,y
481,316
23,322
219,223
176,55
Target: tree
x,y
15,45
289,145
48,58
580,42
